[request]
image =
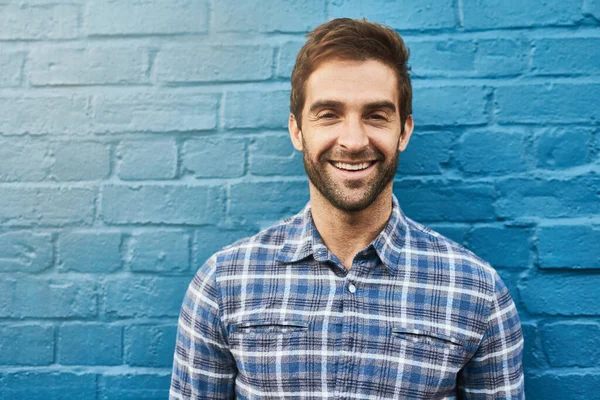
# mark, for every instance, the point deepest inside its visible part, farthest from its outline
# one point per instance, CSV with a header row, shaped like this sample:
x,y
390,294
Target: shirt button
x,y
351,288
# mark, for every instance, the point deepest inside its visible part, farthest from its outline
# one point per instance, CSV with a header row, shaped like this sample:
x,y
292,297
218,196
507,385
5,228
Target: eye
x,y
328,116
378,117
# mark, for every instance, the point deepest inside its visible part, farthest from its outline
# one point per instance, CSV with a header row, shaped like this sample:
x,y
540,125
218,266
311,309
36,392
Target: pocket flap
x,y
270,325
417,335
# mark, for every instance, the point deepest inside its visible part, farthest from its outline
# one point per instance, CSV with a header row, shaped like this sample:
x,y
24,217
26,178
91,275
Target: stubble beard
x,y
333,190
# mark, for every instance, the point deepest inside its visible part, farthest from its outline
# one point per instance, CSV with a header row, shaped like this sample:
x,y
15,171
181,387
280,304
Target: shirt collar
x,y
302,239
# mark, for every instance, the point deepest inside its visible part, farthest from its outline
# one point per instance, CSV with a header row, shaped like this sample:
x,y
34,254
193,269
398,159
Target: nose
x,y
354,135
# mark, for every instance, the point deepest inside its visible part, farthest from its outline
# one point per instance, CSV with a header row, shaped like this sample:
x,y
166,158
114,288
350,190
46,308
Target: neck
x,y
345,233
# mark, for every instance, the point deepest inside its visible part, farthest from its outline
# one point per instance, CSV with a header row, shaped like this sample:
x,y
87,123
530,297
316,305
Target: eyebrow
x,y
337,105
321,104
380,105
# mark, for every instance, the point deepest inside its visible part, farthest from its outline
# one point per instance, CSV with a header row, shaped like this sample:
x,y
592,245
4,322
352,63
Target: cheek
x,y
316,144
388,144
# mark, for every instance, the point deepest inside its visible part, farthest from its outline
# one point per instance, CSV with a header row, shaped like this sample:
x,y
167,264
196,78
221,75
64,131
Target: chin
x,y
351,205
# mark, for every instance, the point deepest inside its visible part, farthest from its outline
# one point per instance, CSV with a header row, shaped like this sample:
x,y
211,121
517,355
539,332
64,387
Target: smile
x,y
352,167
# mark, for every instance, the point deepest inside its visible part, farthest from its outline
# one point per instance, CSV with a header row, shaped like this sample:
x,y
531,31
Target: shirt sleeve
x,y
495,371
203,367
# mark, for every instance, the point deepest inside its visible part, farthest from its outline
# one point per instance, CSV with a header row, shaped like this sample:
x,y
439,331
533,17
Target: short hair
x,y
356,40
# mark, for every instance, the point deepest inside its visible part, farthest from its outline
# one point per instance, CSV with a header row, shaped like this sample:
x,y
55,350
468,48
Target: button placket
x,y
353,305
349,327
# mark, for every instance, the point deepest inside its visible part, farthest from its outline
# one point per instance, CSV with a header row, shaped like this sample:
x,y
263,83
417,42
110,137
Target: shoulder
x,y
454,260
262,247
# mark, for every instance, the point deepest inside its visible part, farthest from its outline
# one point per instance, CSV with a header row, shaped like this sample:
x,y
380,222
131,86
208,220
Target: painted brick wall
x,y
138,137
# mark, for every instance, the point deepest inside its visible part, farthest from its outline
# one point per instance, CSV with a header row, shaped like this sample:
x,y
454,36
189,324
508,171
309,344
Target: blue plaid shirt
x,y
277,316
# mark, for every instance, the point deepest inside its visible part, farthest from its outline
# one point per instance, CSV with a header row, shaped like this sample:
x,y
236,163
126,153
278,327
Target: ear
x,y
409,125
295,132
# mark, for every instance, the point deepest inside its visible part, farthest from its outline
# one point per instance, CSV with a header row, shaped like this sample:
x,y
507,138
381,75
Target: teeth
x,y
351,167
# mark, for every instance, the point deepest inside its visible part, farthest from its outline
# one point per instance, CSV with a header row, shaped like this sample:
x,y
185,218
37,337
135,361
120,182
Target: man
x,y
349,299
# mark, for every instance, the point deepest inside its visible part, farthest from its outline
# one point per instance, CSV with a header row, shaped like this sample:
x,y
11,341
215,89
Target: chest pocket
x,y
270,353
434,356
269,327
427,338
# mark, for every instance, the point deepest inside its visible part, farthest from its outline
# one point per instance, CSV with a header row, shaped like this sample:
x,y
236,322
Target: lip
x,y
354,174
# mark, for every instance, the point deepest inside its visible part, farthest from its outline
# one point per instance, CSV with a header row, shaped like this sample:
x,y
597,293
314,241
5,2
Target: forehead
x,y
352,82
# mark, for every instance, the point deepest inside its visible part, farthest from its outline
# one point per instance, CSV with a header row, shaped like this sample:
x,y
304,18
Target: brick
x,y
287,58
266,201
257,109
76,161
33,385
11,65
214,63
551,198
89,344
275,156
92,65
236,16
564,246
145,297
502,57
452,232
30,344
160,251
572,385
446,201
48,21
442,58
209,239
49,206
502,246
292,15
478,58
490,14
7,288
45,298
572,344
25,252
533,353
561,294
214,157
162,204
134,386
24,160
592,8
566,56
400,15
260,15
491,153
95,252
145,159
28,160
58,114
155,112
150,345
132,18
535,103
449,105
426,153
562,148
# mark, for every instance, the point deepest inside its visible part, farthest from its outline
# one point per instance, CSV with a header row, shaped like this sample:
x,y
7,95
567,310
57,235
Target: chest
x,y
345,335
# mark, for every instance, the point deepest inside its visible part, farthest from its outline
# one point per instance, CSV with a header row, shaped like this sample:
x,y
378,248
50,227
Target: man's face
x,y
350,135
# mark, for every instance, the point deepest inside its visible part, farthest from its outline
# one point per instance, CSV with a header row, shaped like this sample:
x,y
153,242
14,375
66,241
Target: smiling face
x,y
351,136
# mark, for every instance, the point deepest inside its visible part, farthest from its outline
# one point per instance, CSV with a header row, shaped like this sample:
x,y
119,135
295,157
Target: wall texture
x,y
137,137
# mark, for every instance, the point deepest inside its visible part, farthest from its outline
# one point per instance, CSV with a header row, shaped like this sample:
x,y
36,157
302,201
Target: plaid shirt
x,y
278,316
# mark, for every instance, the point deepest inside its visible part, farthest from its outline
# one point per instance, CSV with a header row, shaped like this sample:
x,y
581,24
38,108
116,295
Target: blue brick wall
x,y
137,138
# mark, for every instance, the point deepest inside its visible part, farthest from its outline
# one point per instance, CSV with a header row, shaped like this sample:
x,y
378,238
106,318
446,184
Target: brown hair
x,y
351,39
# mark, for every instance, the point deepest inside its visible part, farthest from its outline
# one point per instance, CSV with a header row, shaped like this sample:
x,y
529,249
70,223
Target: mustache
x,y
340,154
